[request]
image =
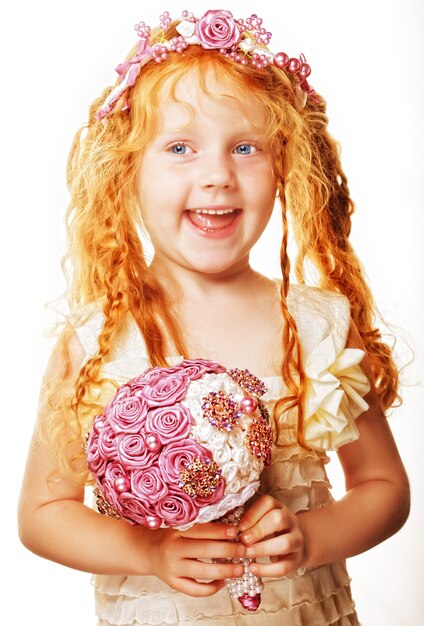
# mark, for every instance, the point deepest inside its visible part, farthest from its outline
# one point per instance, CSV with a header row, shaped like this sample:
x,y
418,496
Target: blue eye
x,y
179,146
249,146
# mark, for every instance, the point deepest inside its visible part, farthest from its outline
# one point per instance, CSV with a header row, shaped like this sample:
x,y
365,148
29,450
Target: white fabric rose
x,y
230,471
186,29
335,387
243,458
221,454
247,45
236,437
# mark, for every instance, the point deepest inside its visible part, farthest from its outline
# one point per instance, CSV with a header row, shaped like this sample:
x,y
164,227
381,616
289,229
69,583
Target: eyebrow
x,y
253,130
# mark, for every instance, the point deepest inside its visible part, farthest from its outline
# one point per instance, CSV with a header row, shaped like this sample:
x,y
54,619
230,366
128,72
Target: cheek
x,y
262,181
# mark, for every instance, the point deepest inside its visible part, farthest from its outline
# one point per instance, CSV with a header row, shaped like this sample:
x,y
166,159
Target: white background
x,y
367,60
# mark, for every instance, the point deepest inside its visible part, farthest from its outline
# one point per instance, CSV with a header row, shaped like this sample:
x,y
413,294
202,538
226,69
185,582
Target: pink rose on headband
x,y
217,29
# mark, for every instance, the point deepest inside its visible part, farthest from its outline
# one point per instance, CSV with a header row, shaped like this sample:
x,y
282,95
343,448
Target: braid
x,y
291,347
325,240
113,309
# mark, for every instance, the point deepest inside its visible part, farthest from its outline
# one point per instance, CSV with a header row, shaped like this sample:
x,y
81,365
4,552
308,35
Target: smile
x,y
215,223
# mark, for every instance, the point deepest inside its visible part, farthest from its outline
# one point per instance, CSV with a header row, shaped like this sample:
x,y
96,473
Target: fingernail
x,y
253,568
232,532
248,537
250,551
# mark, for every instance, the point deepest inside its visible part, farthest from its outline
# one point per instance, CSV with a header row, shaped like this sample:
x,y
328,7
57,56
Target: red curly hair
x,y
106,254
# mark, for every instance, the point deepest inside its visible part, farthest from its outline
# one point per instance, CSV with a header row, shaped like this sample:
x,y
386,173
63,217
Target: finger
x,y
274,521
277,569
197,589
201,570
211,549
211,530
281,545
259,508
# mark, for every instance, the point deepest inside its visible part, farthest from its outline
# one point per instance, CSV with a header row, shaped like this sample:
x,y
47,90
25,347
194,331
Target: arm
x,y
375,506
55,524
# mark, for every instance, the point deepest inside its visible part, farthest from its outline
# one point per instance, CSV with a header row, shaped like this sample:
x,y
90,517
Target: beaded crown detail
x,y
244,41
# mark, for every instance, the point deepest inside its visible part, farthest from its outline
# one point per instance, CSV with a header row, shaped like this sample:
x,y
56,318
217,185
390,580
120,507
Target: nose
x,y
217,172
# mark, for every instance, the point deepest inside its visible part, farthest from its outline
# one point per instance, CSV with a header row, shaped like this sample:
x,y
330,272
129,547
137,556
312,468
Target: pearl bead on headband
x,y
243,41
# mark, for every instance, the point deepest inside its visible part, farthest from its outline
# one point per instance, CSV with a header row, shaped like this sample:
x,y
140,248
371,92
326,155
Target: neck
x,y
188,284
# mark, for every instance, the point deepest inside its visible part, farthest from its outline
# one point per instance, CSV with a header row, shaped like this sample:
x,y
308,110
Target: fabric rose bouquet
x,y
183,445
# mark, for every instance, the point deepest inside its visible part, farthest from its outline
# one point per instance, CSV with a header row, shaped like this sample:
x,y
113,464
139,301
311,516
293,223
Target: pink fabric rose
x,y
127,414
113,471
166,390
95,461
170,423
134,510
175,456
217,29
196,368
123,392
148,376
107,442
176,508
148,484
133,452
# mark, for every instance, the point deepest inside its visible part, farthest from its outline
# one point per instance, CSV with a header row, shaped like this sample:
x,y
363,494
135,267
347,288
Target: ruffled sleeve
x,y
335,390
335,382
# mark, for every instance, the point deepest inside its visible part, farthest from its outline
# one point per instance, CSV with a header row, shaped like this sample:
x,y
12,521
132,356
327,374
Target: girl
x,y
204,129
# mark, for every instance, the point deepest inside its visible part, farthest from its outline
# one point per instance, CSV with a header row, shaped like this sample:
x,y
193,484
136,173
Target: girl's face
x,y
216,160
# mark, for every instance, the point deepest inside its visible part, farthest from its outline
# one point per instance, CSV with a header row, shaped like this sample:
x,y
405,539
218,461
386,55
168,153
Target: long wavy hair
x,y
105,259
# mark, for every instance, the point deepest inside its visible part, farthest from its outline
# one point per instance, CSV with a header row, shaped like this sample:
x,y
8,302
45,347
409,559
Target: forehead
x,y
184,102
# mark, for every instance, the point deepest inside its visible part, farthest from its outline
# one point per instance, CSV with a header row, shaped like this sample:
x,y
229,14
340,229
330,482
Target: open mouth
x,y
213,221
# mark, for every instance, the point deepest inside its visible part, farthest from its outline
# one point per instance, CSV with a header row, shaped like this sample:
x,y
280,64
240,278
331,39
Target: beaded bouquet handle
x,y
248,587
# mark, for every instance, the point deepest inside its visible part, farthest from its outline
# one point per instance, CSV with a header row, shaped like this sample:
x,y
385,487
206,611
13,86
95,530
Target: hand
x,y
270,528
176,557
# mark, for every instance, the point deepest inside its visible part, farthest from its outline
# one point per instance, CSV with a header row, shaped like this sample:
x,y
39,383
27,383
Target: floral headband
x,y
243,41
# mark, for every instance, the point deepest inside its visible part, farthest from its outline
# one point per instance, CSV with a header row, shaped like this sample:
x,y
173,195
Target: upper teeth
x,y
213,211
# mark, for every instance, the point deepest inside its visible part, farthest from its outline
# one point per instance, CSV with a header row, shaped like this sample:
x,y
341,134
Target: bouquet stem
x,y
247,588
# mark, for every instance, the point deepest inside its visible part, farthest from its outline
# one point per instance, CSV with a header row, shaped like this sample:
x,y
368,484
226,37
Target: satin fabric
x,y
336,386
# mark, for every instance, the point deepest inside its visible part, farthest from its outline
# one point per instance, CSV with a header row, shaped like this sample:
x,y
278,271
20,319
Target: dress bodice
x,y
336,386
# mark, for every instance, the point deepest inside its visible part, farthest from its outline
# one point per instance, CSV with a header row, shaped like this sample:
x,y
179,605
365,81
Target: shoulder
x,y
319,313
87,323
335,383
128,354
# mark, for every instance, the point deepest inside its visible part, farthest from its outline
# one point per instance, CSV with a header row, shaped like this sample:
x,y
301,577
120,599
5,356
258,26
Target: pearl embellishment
x,y
248,405
98,425
121,484
153,521
153,443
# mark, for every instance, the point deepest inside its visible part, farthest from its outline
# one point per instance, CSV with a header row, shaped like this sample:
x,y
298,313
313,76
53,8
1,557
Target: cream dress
x,y
319,596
